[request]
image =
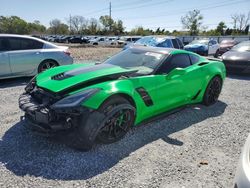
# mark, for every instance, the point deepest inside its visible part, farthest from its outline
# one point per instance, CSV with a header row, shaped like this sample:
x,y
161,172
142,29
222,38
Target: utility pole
x,y
70,24
110,16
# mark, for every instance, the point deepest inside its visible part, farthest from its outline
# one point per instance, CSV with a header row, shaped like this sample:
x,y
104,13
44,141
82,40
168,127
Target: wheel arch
x,y
123,95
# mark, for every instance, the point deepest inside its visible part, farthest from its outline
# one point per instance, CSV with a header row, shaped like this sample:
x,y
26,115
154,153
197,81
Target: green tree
x,y
107,23
118,28
13,25
36,27
192,21
57,27
220,29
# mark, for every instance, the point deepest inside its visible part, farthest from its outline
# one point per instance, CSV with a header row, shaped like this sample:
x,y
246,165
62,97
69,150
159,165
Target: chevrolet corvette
x,y
101,102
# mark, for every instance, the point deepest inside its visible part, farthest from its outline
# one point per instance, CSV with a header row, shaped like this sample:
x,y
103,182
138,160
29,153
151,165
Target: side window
x,y
175,43
4,44
180,43
177,61
24,44
165,44
27,44
15,43
194,58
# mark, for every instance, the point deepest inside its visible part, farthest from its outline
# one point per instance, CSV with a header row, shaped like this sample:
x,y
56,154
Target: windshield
x,y
200,42
149,41
242,47
143,61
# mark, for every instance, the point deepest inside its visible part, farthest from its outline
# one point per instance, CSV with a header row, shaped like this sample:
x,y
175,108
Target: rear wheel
x,y
47,64
213,91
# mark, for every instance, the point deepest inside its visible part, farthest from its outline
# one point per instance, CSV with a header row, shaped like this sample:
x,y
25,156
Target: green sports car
x,y
101,102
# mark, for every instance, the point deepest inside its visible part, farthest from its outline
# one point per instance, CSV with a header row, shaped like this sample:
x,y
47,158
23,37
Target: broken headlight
x,y
75,99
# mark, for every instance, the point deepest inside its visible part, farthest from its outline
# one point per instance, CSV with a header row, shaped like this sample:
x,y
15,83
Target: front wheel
x,y
212,91
120,115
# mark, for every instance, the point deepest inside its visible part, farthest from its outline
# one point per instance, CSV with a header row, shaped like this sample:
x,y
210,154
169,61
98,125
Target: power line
x,y
178,12
141,6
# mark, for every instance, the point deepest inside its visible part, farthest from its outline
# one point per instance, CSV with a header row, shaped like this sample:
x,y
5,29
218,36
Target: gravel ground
x,y
196,147
92,53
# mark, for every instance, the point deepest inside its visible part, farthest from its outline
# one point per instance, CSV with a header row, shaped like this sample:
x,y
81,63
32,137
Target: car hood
x,y
226,45
73,77
194,45
236,55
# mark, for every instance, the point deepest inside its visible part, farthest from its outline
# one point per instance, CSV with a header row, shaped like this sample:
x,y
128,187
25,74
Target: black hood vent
x,y
81,70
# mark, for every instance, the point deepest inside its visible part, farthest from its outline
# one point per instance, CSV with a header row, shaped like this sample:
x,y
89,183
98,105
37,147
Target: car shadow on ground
x,y
25,153
239,76
13,82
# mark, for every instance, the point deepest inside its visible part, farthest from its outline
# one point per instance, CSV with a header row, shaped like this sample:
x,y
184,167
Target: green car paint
x,y
182,86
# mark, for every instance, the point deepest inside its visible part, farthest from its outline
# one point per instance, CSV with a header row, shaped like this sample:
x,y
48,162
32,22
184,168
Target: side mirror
x,y
209,44
176,72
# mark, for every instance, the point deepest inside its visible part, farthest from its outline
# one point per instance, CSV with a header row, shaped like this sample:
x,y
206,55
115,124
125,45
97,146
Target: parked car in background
x,y
128,40
78,39
98,41
65,39
27,56
242,177
225,45
237,60
203,46
154,41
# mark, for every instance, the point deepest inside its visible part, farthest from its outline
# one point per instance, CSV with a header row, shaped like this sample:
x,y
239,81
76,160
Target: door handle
x,y
37,53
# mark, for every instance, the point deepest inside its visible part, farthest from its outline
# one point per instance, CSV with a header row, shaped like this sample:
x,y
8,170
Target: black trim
x,y
197,94
145,96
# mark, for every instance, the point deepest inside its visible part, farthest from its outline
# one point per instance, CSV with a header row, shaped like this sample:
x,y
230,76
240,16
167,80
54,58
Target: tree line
x,y
192,24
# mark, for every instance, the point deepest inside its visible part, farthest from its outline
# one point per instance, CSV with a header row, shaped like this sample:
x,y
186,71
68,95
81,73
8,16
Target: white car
x,y
98,41
203,46
26,56
242,178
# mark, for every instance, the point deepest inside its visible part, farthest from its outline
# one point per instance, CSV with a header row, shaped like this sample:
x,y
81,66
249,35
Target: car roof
x,y
22,36
163,37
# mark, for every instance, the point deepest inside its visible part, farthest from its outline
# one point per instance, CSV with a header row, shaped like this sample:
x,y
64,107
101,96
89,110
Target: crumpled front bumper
x,y
46,121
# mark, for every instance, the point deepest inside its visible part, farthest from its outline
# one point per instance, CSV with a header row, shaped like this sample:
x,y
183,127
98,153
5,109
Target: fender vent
x,y
145,96
203,63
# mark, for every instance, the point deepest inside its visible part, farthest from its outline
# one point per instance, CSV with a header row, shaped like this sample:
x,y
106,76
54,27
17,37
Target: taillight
x,y
67,53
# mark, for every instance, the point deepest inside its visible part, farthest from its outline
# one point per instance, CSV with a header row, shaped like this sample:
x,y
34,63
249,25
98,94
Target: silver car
x,y
27,56
242,177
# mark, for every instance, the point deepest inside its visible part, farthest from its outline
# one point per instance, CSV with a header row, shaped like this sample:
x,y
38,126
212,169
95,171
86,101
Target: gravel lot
x,y
165,153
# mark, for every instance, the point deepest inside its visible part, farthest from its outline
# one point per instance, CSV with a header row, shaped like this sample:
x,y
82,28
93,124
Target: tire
x,y
216,55
47,64
91,127
115,106
212,91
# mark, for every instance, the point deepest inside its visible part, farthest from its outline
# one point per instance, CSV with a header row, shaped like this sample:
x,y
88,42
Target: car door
x,y
177,82
5,70
25,55
212,47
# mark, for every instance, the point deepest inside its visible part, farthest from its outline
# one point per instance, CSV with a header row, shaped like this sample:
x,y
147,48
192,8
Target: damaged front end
x,y
47,113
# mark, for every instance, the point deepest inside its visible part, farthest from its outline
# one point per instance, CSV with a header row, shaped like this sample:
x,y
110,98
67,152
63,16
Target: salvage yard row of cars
x,y
93,102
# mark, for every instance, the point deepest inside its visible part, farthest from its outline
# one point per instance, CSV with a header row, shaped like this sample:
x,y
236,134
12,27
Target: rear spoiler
x,y
213,59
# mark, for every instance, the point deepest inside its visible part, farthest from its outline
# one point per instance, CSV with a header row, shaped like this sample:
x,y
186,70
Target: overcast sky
x,y
147,13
